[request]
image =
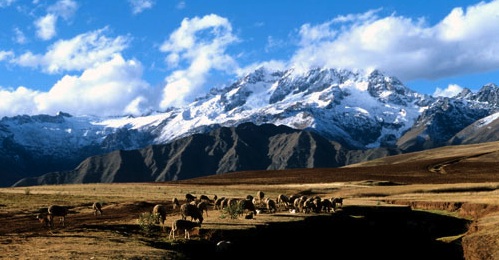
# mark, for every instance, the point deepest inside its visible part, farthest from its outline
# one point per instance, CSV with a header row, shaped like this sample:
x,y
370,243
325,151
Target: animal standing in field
x,y
181,224
271,205
218,203
190,210
97,207
57,211
282,200
204,198
337,202
44,219
247,205
203,207
175,203
159,211
260,196
189,197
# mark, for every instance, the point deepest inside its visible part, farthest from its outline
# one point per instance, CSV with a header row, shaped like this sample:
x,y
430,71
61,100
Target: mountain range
x,y
322,117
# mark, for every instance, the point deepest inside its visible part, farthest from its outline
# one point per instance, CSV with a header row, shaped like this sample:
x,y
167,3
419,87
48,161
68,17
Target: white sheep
x,y
181,224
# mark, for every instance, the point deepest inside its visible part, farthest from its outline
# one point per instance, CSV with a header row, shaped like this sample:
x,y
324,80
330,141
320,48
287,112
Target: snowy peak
x,y
357,109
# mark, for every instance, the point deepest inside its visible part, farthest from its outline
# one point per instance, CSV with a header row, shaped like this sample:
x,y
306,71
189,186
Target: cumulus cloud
x,y
193,56
46,25
450,91
463,42
113,87
81,52
108,84
138,6
17,101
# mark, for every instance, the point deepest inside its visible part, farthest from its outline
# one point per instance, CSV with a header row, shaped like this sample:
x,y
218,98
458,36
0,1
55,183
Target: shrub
x,y
233,211
147,222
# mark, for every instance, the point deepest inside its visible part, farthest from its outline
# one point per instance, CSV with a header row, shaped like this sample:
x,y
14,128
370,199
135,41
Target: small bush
x,y
27,191
233,211
147,222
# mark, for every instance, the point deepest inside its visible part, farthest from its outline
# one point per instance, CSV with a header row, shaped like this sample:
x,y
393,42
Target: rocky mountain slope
x,y
351,116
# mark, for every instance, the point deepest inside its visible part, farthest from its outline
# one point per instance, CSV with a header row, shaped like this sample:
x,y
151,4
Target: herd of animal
x,y
196,208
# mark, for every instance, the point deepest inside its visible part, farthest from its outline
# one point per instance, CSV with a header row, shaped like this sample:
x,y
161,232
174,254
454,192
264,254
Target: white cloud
x,y
5,55
450,91
79,53
138,6
17,102
19,36
464,42
46,27
201,54
114,87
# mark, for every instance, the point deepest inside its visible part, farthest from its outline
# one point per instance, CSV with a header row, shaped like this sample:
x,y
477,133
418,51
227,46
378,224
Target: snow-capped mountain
x,y
360,110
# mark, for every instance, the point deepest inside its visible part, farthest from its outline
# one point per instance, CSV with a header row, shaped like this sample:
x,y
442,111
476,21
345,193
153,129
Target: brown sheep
x,y
175,203
185,225
247,205
189,197
260,196
190,210
159,211
337,202
218,203
97,207
203,207
44,219
57,211
283,200
271,205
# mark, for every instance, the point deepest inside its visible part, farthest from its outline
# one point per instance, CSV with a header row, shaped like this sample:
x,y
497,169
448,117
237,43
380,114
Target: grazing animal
x,y
185,225
57,211
190,210
327,205
203,207
44,219
97,207
204,198
189,197
175,203
218,203
159,211
247,205
271,205
337,202
260,196
282,200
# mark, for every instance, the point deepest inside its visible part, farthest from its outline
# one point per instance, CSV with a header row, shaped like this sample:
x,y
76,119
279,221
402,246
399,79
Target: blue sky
x,y
95,57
